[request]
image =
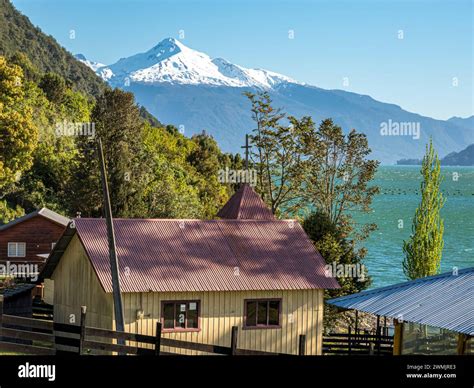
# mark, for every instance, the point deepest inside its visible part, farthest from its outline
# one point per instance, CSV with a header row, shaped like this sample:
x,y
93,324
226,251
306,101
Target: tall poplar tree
x,y
424,248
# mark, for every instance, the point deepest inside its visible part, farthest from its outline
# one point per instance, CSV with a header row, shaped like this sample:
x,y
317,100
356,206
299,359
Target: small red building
x,y
30,239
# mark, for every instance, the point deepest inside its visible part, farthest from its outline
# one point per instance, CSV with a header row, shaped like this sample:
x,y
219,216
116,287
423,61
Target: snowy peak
x,y
162,51
170,61
93,65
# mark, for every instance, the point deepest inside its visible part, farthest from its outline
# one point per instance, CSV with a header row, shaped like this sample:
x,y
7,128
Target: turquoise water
x,y
398,200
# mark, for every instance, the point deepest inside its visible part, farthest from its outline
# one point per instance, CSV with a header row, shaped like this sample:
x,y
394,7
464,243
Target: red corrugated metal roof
x,y
215,255
246,204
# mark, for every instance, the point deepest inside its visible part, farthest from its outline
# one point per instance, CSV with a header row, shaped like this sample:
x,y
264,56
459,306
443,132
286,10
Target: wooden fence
x,y
42,310
351,343
20,335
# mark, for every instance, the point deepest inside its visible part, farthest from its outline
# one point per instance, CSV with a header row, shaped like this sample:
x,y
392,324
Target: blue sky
x,y
429,71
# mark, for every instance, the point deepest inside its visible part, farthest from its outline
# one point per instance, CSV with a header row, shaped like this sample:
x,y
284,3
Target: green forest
x,y
154,170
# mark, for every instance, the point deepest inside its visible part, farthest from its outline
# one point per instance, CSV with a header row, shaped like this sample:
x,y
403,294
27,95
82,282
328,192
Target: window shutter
x,y
21,249
11,249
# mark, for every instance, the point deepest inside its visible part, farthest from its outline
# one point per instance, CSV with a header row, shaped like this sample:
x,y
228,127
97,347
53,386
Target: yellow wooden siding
x,y
48,291
222,310
76,285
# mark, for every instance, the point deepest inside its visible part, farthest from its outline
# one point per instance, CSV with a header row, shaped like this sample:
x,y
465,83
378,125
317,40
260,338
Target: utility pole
x,y
114,268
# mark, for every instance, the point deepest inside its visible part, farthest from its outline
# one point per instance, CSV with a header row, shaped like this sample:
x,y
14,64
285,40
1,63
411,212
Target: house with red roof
x,y
198,277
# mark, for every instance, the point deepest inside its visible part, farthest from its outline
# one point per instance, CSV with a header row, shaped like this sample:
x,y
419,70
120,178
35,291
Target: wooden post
x,y
371,348
378,335
349,340
356,322
397,338
1,315
302,345
462,341
158,339
83,330
233,341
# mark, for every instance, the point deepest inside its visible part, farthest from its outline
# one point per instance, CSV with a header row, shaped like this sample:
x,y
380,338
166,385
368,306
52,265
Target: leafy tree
x,y
424,248
205,158
30,72
48,179
338,174
170,189
275,154
118,124
9,213
18,134
54,87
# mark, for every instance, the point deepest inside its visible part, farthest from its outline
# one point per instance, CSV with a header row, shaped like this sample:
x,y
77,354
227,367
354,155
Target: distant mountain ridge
x,y
462,158
187,88
467,122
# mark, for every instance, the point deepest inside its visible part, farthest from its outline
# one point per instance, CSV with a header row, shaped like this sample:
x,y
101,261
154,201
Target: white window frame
x,y
14,246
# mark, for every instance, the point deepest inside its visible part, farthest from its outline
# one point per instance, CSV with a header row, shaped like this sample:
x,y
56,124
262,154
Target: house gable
x,y
76,284
38,232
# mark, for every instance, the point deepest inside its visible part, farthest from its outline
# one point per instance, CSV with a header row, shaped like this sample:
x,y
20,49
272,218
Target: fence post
x,y
398,338
83,330
1,315
233,341
349,340
302,345
371,348
378,335
158,339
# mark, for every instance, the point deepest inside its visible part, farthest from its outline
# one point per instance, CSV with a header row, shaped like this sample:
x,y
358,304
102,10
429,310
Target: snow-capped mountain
x,y
189,89
93,65
171,61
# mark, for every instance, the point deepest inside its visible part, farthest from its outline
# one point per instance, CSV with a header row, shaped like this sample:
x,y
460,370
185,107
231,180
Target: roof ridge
x,y
239,213
49,214
246,203
191,219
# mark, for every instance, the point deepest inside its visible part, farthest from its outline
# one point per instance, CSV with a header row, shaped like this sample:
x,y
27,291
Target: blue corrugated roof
x,y
445,300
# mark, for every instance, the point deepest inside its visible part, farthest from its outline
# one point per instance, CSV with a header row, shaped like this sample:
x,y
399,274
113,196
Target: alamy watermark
x,y
67,128
229,175
402,128
355,271
22,270
32,371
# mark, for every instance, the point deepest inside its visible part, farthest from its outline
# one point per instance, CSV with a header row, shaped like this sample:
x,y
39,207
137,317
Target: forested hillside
x,y
46,96
17,34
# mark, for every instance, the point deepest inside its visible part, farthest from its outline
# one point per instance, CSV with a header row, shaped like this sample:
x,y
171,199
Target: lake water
x,y
399,197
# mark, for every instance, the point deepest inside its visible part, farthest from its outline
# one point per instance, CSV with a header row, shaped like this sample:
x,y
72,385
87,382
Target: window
x,y
262,313
180,315
16,249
